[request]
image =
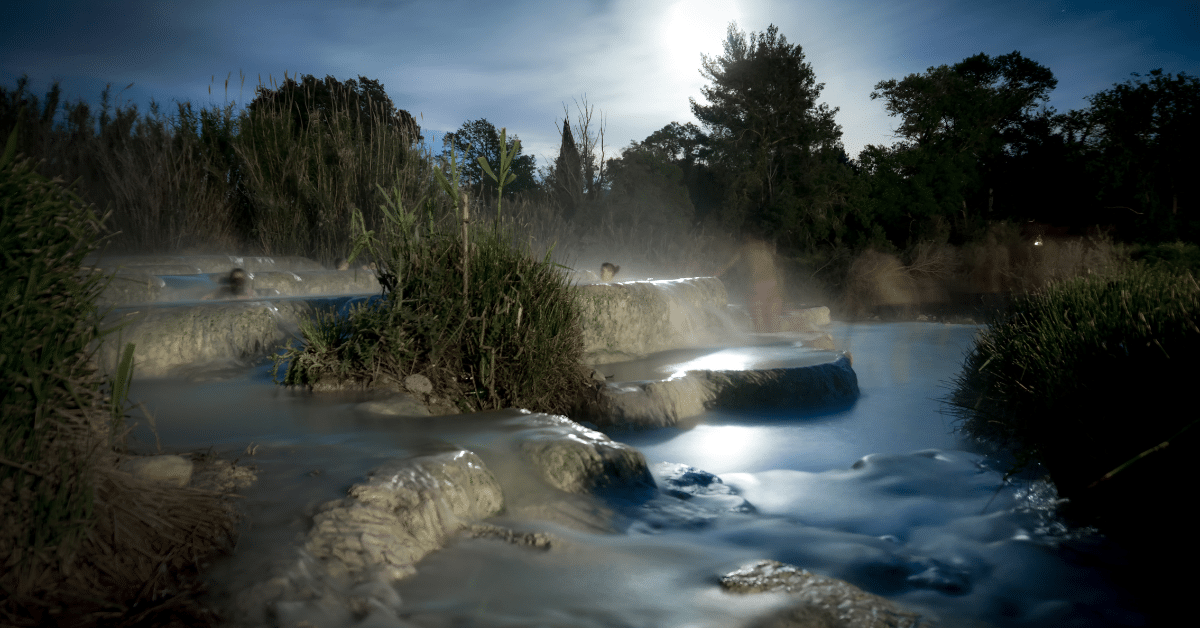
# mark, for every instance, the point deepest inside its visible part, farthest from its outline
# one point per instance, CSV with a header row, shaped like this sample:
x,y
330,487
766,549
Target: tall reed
x,y
1091,377
489,324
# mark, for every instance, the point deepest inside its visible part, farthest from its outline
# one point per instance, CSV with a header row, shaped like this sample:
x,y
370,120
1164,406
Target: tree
x,y
364,99
960,126
480,138
773,143
578,174
567,182
681,143
314,151
686,146
647,184
1138,143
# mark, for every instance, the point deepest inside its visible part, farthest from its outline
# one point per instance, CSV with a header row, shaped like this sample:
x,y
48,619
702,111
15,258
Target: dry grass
x,y
137,565
876,279
1002,261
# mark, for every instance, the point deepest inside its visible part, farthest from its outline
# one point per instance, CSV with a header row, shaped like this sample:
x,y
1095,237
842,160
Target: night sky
x,y
517,64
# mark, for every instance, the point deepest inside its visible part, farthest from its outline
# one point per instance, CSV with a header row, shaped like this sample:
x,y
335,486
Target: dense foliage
x,y
975,145
774,146
959,126
79,539
1089,378
311,101
480,138
50,394
512,339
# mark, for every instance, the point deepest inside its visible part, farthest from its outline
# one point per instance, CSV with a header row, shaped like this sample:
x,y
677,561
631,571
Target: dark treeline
x,y
976,145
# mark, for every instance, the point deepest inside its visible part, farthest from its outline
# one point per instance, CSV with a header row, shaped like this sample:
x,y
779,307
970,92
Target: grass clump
x,y
50,393
489,325
80,541
1090,377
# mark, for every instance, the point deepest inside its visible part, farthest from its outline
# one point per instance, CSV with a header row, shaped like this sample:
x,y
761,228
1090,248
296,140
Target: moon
x,y
693,27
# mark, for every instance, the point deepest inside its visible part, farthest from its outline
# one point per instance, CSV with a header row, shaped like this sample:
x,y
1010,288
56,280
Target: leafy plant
x,y
49,390
1087,377
489,325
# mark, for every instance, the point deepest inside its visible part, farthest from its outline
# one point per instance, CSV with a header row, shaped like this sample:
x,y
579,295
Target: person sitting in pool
x,y
234,286
766,301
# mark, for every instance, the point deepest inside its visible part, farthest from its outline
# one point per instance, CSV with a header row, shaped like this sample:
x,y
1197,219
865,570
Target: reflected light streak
x,y
727,360
726,447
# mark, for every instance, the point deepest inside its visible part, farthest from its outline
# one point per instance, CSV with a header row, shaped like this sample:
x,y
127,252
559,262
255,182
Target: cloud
x,y
517,64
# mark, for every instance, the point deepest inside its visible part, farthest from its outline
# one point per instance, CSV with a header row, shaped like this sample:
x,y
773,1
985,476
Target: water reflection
x,y
882,494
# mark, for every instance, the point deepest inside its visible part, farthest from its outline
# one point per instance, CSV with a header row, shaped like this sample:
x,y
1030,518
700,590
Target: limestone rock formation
x,y
401,513
821,601
664,403
168,338
575,459
637,318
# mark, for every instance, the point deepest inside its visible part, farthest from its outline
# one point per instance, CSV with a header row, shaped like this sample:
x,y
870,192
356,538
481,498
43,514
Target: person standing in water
x,y
766,300
236,285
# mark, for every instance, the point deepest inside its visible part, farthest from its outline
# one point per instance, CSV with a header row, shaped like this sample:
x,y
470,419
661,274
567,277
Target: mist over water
x,y
880,493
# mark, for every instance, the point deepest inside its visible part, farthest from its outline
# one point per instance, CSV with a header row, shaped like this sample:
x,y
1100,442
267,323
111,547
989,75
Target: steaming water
x,y
879,493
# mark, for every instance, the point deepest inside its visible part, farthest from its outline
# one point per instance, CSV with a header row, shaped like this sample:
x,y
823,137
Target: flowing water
x,y
880,493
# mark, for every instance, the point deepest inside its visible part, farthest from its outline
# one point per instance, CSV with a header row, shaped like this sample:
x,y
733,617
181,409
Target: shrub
x,y
1184,256
513,338
1085,377
78,539
50,393
876,279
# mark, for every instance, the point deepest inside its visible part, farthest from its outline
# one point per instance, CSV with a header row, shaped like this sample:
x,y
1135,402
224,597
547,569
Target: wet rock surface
x,y
398,406
167,469
806,387
623,320
821,601
575,459
167,338
688,499
660,403
401,513
699,488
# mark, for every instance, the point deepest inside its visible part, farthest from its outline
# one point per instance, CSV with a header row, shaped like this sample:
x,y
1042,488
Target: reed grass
x,y
1087,377
1000,262
79,540
488,323
49,391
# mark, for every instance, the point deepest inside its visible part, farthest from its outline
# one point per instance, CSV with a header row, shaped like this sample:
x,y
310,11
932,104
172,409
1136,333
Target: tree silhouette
x,y
480,138
1138,143
686,146
960,126
776,147
568,173
647,183
365,100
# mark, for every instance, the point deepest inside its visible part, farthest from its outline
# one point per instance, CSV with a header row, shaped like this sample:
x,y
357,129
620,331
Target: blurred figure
x,y
608,271
234,286
344,264
766,300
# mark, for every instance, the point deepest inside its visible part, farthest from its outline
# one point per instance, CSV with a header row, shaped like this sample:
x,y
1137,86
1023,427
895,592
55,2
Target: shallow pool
x,y
880,493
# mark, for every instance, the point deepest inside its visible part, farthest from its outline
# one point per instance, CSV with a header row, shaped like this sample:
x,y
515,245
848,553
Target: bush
x,y
1085,377
50,394
512,340
1182,256
79,539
